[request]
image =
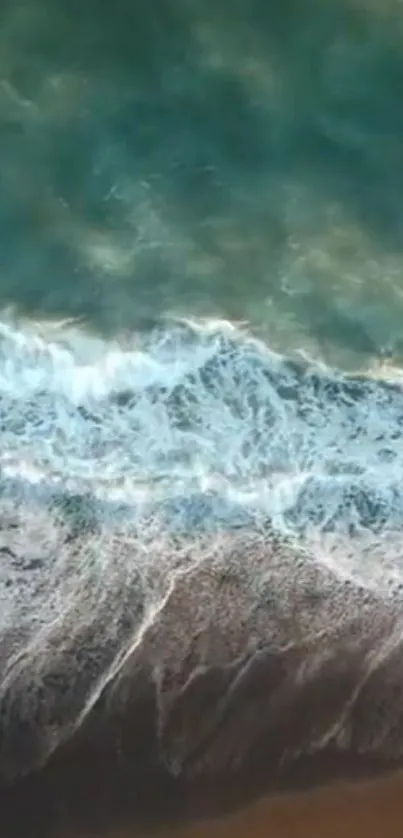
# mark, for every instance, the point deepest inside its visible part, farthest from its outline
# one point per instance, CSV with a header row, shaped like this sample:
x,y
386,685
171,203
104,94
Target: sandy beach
x,y
362,810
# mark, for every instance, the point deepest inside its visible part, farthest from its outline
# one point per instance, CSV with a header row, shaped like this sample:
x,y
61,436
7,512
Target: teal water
x,y
239,159
191,194
234,165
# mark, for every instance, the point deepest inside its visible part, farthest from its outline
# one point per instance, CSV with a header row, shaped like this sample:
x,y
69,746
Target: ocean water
x,y
225,160
201,280
196,201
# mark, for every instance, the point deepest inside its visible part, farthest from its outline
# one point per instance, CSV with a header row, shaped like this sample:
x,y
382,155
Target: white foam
x,y
195,408
126,464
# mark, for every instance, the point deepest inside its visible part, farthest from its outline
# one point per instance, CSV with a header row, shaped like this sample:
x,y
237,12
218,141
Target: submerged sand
x,y
246,678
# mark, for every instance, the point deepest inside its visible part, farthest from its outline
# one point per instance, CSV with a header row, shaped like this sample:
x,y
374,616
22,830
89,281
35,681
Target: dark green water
x,y
240,159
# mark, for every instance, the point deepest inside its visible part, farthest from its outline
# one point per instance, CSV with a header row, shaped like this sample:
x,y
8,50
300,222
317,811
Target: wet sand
x,y
362,810
253,683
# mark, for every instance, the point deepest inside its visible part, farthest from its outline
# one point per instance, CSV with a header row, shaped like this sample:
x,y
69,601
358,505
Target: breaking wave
x,y
203,418
127,465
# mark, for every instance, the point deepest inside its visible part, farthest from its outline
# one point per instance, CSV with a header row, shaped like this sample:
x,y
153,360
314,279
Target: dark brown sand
x,y
364,810
372,809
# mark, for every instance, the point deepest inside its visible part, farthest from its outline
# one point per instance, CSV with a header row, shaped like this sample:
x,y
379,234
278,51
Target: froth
x,y
201,409
194,522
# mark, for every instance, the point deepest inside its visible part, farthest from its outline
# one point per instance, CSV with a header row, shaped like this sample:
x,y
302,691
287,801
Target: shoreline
x,y
360,809
355,810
